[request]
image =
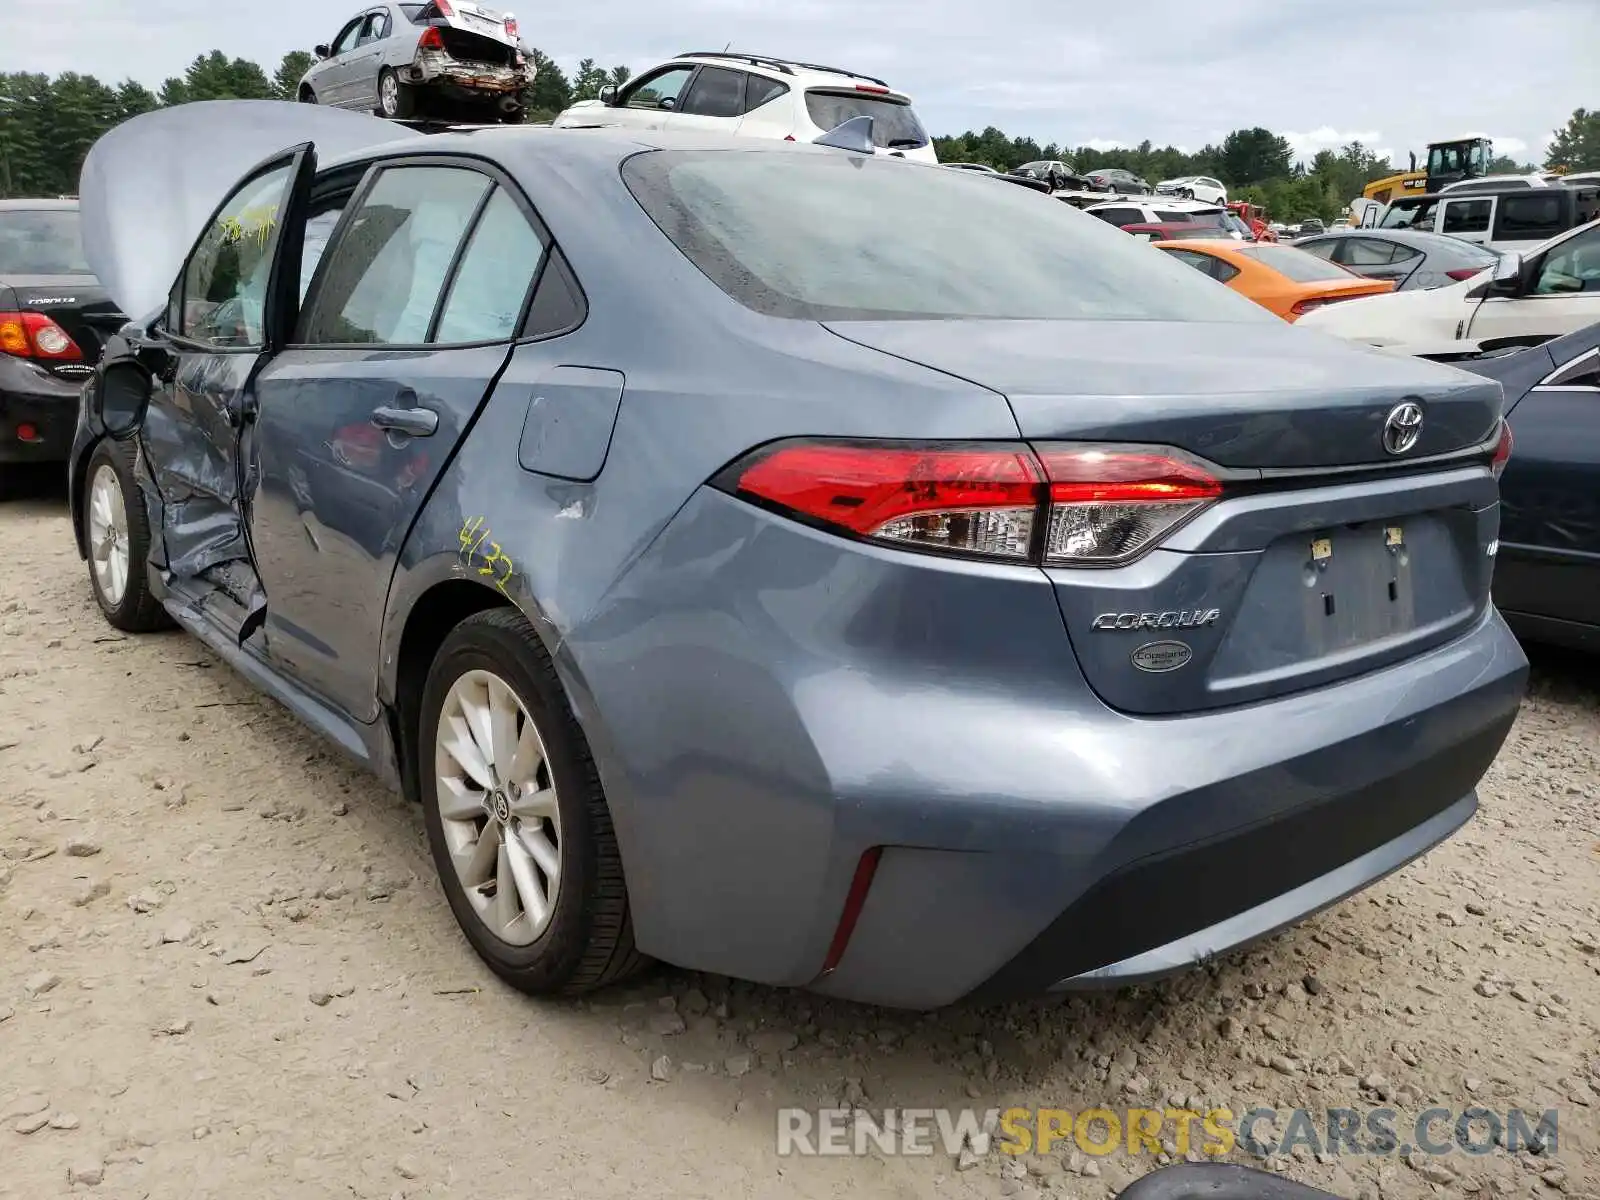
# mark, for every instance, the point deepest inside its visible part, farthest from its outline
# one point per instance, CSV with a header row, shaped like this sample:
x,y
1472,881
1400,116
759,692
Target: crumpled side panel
x,y
191,436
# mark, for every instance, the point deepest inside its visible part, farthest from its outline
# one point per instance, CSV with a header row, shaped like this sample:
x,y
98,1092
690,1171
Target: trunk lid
x,y
77,303
1241,395
1324,557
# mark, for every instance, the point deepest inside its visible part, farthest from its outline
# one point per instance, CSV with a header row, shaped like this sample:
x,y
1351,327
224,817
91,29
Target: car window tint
x,y
848,237
1172,218
759,90
1200,262
41,241
319,229
1328,249
348,36
384,276
894,124
1531,216
716,93
1365,252
225,282
1574,266
1120,216
1222,271
649,93
1466,216
492,281
1296,264
558,304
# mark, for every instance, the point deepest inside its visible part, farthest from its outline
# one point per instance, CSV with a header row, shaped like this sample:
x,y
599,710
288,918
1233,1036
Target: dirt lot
x,y
226,970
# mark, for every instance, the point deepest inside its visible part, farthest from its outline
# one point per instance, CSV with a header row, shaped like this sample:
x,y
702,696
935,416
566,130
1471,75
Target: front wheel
x,y
118,536
517,820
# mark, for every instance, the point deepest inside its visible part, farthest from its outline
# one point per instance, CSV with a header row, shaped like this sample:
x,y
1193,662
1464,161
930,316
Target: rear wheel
x,y
118,535
517,820
395,99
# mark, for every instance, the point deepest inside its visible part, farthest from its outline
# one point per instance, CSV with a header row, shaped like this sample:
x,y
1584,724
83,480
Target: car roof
x,y
1421,238
1214,245
771,65
20,204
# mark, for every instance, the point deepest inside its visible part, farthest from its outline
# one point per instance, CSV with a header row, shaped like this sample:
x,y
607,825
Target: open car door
x,y
203,245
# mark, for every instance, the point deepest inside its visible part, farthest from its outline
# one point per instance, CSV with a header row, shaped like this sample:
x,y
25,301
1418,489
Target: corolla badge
x,y
1160,657
1197,618
1402,427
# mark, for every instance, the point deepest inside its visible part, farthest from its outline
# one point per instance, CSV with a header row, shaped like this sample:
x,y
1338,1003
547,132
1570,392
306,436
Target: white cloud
x,y
1105,144
1326,137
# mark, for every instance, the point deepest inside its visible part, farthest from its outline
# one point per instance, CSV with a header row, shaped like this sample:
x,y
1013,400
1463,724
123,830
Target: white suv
x,y
751,95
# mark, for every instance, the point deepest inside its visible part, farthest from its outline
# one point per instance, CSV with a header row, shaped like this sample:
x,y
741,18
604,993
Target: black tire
x,y
138,611
589,941
405,100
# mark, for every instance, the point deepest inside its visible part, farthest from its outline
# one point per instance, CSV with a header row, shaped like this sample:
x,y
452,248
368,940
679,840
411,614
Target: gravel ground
x,y
226,969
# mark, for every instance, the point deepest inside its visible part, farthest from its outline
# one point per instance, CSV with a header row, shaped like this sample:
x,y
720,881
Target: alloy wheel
x,y
497,807
108,535
389,95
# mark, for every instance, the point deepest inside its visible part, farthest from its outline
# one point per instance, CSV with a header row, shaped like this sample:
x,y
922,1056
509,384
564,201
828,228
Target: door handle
x,y
412,422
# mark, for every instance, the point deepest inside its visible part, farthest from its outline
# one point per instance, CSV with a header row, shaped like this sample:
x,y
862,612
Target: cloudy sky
x,y
1394,74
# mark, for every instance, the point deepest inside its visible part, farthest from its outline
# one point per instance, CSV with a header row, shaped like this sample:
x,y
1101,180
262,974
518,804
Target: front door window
x,y
225,283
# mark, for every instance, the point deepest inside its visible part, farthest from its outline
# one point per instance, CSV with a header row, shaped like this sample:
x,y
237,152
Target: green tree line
x,y
48,124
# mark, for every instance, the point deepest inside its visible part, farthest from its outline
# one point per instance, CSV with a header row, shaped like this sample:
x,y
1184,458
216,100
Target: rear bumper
x,y
806,702
31,396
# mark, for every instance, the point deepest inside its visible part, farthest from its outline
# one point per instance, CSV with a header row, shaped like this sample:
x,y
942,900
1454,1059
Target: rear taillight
x,y
1502,451
511,26
444,8
432,39
1461,273
1109,504
34,335
1302,307
1057,505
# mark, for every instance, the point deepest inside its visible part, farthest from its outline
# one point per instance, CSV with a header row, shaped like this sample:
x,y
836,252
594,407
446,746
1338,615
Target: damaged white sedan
x,y
448,58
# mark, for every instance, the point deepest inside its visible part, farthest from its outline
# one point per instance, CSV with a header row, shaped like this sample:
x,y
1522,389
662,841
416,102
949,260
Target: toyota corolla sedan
x,y
785,562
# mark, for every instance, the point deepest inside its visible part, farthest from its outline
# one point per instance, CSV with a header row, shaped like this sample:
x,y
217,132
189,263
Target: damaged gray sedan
x,y
446,58
785,561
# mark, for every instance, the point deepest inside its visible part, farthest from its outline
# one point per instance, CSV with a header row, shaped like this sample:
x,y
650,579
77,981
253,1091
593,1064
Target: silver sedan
x,y
1415,260
444,58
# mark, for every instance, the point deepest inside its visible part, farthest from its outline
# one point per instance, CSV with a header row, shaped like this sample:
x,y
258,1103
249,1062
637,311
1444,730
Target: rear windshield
x,y
836,236
1296,264
894,123
41,241
1213,218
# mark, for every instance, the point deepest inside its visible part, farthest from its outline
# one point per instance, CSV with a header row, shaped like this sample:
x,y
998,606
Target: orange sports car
x,y
1288,281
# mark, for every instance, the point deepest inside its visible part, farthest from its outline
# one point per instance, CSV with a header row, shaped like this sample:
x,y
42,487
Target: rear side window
x,y
1323,249
894,125
715,93
1532,216
1466,216
492,281
1121,216
824,236
1366,252
1296,264
382,281
759,90
1208,264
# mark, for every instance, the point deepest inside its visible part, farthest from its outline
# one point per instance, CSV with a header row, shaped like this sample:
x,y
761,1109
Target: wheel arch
x,y
78,477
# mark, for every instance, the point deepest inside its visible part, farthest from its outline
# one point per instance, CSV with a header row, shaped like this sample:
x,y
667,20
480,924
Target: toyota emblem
x,y
1402,427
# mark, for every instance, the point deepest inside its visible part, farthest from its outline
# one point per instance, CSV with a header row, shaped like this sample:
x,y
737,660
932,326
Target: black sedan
x,y
1413,258
1547,580
50,307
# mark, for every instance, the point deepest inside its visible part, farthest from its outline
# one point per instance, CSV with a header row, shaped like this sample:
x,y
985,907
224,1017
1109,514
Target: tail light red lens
x,y
1502,451
974,500
1466,272
1061,505
511,26
444,8
432,39
34,335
